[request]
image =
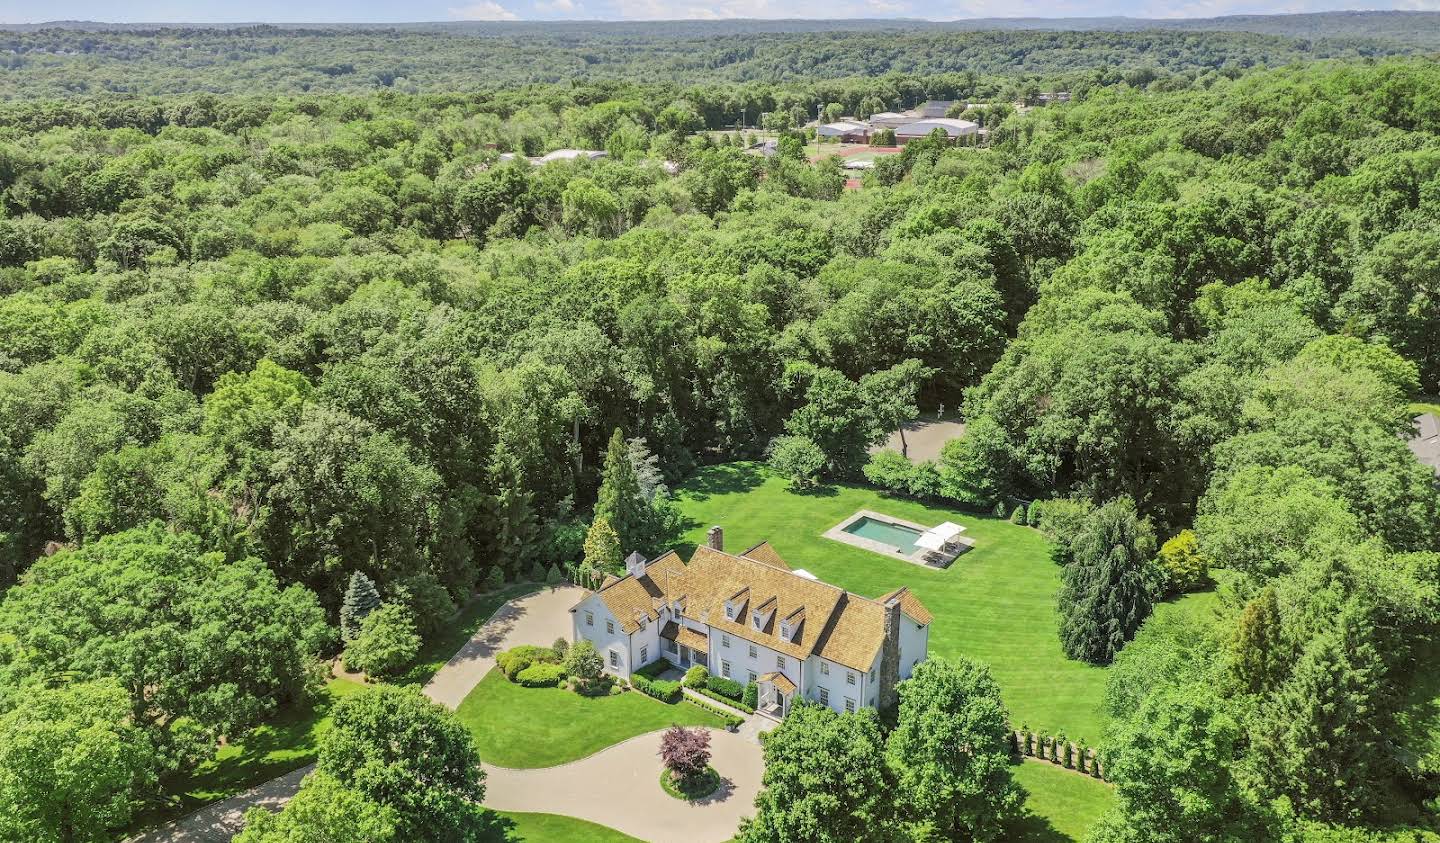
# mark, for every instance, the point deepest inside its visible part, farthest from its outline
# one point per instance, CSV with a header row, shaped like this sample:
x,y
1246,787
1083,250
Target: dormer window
x,y
757,620
785,631
729,612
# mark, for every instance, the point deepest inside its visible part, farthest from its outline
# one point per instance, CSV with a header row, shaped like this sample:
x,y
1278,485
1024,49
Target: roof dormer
x,y
735,606
760,615
790,626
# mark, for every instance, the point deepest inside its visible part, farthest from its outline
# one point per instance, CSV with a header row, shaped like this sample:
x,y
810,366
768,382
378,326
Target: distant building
x,y
890,120
846,130
953,128
1425,444
571,155
935,108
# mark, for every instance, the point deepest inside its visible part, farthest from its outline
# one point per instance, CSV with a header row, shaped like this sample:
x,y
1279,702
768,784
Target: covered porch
x,y
776,692
684,647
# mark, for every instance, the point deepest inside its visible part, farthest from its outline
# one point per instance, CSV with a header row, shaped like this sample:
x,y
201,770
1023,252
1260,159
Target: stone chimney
x,y
890,656
715,538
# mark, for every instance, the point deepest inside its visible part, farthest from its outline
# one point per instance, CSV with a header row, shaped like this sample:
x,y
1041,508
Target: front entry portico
x,y
775,693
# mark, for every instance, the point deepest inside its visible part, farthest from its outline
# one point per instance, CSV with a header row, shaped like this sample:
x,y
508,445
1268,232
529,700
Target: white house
x,y
750,618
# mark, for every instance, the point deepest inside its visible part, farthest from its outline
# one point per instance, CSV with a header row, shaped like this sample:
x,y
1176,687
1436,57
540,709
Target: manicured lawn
x,y
286,743
1426,404
552,828
996,603
467,621
1064,804
542,727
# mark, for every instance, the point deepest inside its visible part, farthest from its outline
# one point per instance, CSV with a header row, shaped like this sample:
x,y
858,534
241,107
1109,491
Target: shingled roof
x,y
827,621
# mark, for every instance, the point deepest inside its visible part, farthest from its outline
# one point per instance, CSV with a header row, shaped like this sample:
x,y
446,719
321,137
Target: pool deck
x,y
921,556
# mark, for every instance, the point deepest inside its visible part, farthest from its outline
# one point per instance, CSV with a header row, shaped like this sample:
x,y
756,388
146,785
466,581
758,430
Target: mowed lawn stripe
x,y
996,603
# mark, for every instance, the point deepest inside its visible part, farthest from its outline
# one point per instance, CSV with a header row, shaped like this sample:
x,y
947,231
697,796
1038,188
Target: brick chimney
x,y
890,656
715,538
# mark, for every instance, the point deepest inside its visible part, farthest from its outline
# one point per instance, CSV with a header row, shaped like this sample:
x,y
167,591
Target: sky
x,y
391,11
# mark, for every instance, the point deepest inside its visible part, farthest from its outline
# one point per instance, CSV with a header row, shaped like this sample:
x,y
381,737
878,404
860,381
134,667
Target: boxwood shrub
x,y
541,675
661,689
511,662
728,688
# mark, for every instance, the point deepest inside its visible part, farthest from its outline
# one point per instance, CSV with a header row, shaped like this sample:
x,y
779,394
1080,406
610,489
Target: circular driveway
x,y
617,787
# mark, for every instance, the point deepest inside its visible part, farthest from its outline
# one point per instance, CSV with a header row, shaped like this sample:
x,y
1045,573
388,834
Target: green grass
x,y
996,603
552,828
287,742
467,621
1425,404
542,727
1063,803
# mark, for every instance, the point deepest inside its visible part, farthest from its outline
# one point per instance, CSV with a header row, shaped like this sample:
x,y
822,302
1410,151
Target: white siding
x,y
839,689
914,645
605,642
741,664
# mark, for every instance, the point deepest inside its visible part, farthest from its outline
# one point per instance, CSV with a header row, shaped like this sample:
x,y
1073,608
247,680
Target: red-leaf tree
x,y
685,752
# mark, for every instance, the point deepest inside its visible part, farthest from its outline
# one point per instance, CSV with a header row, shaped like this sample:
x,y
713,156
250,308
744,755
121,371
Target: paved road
x,y
619,787
537,618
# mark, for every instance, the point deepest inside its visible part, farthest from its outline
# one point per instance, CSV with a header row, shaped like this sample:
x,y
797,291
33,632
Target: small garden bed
x,y
697,787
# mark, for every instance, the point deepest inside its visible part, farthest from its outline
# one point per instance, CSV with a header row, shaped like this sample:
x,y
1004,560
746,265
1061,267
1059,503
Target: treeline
x,y
68,62
248,349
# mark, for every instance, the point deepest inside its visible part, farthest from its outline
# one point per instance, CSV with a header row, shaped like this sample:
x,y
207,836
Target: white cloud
x,y
483,10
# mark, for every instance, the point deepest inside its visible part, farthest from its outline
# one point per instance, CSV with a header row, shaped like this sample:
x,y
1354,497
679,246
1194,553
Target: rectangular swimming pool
x,y
900,537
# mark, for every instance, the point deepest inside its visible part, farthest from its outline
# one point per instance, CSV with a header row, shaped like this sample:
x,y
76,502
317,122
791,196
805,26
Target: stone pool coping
x,y
919,557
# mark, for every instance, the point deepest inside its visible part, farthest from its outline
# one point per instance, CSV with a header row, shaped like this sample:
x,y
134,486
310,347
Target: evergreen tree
x,y
621,503
1258,655
361,598
602,552
1319,739
1110,587
647,470
514,526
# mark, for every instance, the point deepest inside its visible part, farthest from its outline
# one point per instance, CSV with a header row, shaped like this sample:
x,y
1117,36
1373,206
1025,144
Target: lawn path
x,y
537,618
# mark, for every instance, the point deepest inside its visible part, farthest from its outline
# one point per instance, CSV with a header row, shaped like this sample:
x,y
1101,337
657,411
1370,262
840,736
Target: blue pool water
x,y
885,532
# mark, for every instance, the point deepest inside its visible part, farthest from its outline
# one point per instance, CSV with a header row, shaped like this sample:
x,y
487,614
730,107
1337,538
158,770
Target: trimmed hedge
x,y
541,675
653,669
728,688
706,692
511,662
663,690
731,721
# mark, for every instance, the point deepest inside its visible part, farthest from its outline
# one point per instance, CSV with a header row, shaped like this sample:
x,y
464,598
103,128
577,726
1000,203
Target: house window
x,y
849,677
670,646
725,669
824,668
872,674
779,662
849,706
644,654
752,677
589,618
753,652
614,659
642,623
724,641
824,696
610,627
729,612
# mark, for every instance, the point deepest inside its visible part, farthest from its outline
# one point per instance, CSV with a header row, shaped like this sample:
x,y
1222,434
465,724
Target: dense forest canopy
x,y
266,356
70,62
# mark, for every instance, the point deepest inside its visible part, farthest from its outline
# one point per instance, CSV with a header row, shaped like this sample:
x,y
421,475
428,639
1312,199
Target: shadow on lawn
x,y
725,479
494,828
1032,828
